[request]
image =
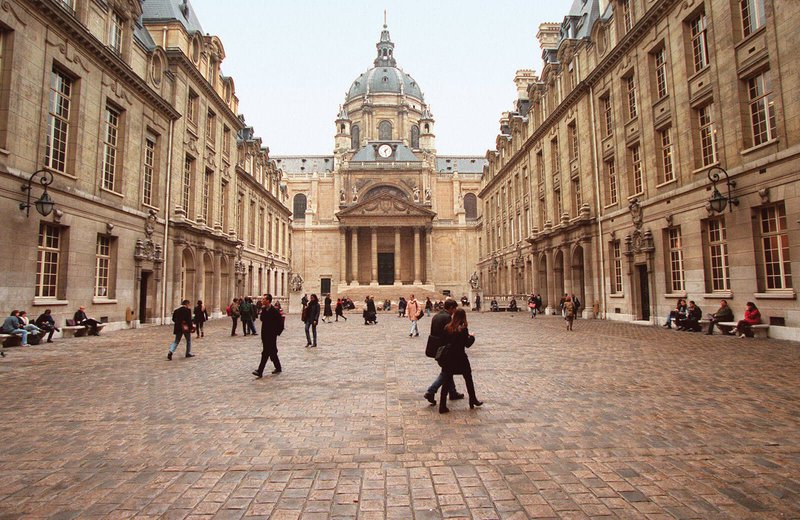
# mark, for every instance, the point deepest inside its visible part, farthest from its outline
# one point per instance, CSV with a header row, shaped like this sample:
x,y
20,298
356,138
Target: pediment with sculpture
x,y
385,206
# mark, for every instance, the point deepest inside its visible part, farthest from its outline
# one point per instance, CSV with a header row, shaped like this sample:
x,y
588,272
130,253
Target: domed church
x,y
384,215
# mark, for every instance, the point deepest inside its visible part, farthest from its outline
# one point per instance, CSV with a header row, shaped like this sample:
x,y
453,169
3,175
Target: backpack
x,y
228,310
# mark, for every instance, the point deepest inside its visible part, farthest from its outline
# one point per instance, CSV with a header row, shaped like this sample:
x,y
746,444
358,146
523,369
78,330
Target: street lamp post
x,y
719,201
44,204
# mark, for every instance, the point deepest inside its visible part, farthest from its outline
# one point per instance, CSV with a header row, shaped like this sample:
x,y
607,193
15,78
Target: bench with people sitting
x,y
81,325
17,330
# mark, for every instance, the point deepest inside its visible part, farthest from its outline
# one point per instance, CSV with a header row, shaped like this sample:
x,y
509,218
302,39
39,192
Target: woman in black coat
x,y
328,312
200,317
455,360
312,317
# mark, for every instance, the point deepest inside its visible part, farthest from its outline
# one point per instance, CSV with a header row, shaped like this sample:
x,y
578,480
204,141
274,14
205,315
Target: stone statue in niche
x,y
427,194
416,194
342,196
474,281
355,194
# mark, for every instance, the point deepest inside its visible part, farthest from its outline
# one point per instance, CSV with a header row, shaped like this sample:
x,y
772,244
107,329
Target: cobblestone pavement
x,y
610,420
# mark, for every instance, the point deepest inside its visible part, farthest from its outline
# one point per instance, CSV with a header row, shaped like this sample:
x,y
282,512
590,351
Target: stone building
x,y
602,182
384,214
136,143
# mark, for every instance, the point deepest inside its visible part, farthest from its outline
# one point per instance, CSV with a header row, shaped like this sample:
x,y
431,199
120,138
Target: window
x,y
262,235
675,249
193,107
226,141
355,137
718,255
252,224
611,175
211,129
102,268
762,108
149,169
572,131
699,28
630,87
110,150
660,62
385,131
115,32
576,192
558,205
47,261
223,206
207,178
753,16
471,206
415,137
775,248
665,137
555,157
616,267
636,169
240,215
61,88
708,135
540,167
186,192
300,205
627,14
607,115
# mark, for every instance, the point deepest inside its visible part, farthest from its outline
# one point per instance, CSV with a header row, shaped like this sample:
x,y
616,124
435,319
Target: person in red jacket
x,y
751,317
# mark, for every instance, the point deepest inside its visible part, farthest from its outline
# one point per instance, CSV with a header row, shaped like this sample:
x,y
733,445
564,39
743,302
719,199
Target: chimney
x,y
548,35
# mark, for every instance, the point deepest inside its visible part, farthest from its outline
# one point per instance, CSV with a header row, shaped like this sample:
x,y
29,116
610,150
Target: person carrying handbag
x,y
413,310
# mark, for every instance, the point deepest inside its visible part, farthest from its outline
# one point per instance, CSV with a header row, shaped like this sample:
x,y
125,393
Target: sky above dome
x,y
293,62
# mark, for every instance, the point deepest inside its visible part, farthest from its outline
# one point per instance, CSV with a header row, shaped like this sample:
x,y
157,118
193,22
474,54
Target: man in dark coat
x,y
723,314
46,322
311,319
81,318
271,327
438,323
182,316
692,320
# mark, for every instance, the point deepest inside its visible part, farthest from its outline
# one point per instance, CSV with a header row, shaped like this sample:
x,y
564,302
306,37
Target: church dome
x,y
384,77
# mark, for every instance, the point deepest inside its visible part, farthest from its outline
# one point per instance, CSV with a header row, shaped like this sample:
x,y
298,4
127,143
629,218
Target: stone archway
x,y
543,289
208,296
578,276
558,275
188,276
225,296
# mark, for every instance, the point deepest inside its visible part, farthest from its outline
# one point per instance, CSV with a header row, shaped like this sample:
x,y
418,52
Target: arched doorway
x,y
224,283
208,295
542,289
188,278
558,275
578,276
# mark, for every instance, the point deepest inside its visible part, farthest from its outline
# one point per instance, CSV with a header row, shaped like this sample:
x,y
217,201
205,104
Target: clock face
x,y
384,150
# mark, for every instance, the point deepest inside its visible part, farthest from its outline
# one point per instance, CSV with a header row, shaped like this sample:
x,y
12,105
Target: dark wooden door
x,y
644,291
385,268
143,286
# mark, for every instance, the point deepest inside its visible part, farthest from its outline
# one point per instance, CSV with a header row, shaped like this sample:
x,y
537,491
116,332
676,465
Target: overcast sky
x,y
293,61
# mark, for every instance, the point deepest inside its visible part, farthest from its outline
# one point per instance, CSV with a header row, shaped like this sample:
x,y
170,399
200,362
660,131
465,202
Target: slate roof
x,y
169,10
578,23
401,154
143,35
304,163
462,163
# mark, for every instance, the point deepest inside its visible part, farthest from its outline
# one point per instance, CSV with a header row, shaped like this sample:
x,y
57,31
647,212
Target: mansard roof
x,y
172,10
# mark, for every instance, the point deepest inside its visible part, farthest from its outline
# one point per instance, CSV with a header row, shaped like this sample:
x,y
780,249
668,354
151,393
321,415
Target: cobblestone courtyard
x,y
610,420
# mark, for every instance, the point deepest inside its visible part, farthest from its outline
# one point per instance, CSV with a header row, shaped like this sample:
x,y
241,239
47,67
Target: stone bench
x,y
10,340
70,329
760,330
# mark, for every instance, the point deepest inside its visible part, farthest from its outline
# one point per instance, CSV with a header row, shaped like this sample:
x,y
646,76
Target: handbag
x,y
442,352
185,327
304,314
432,346
421,314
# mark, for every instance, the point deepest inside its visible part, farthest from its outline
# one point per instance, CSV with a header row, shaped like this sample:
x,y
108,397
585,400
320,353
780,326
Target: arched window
x,y
342,128
415,137
385,131
427,127
300,204
471,206
355,137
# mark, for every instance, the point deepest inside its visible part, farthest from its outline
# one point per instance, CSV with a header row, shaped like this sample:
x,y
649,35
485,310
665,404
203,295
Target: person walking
x,y
272,324
752,316
182,317
428,306
569,311
328,312
340,310
478,302
200,317
401,307
312,317
233,312
413,311
46,323
723,314
455,360
435,340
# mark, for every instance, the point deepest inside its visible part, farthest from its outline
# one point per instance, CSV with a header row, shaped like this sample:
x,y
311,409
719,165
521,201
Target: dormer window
x,y
115,32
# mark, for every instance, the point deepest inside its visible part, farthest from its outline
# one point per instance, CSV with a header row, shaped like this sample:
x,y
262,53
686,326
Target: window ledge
x,y
636,196
702,169
112,192
667,183
782,294
675,295
3,151
617,295
146,205
728,295
759,146
46,302
99,300
613,205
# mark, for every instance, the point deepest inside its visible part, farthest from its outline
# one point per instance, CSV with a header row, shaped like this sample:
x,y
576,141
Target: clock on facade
x,y
384,150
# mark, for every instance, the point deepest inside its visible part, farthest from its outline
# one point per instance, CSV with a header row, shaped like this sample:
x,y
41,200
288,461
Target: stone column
x,y
417,257
354,255
177,267
343,256
429,255
216,285
553,297
397,280
374,256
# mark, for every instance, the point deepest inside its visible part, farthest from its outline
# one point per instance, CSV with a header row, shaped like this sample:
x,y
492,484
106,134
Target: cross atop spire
x,y
385,48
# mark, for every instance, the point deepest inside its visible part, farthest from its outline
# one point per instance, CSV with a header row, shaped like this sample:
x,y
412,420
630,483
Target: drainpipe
x,y
599,206
168,190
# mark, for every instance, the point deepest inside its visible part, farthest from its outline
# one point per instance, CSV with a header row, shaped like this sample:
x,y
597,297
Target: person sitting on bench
x,y
692,320
46,322
82,319
12,325
723,314
512,305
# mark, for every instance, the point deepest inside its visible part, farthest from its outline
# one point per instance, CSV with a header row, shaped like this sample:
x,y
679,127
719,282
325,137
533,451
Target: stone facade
x,y
95,106
384,214
601,180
